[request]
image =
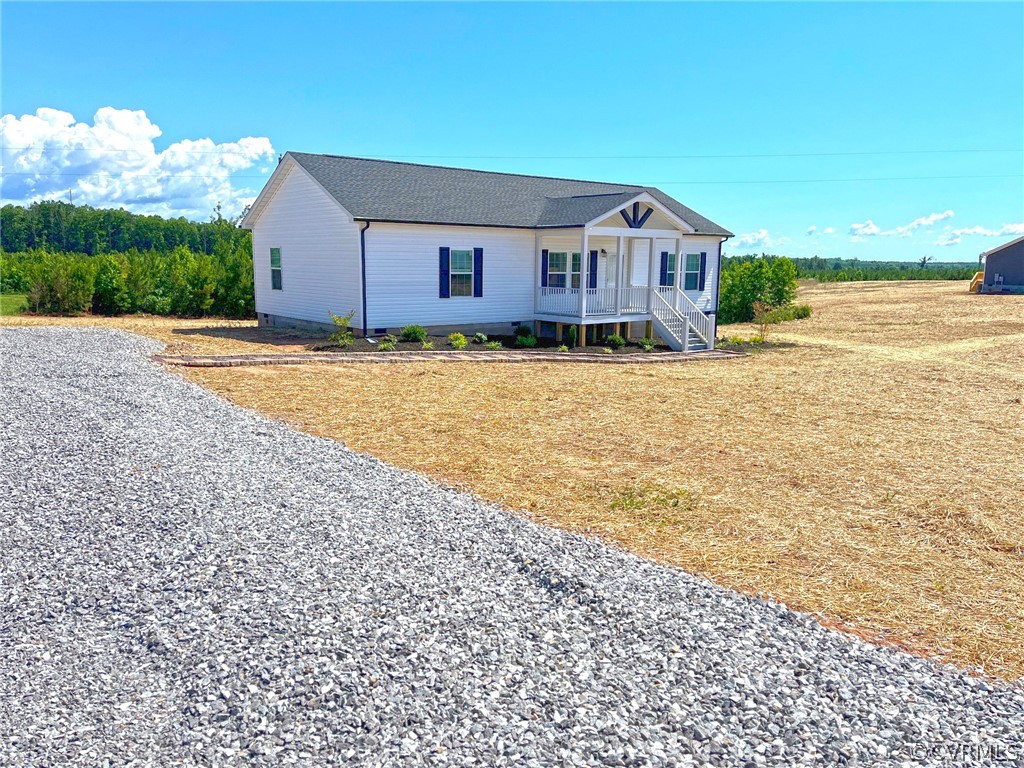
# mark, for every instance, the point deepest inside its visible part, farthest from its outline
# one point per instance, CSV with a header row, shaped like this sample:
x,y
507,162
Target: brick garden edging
x,y
505,356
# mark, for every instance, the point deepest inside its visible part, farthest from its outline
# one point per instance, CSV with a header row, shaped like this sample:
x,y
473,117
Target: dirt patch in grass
x,y
870,473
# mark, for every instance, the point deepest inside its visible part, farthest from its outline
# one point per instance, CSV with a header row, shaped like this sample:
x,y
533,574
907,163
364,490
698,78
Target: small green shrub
x,y
457,341
387,344
523,330
785,314
427,345
343,335
414,333
762,318
646,344
528,342
572,336
563,348
493,345
479,338
615,341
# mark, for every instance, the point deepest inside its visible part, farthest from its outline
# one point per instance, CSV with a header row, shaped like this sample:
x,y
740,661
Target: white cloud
x,y
865,229
955,236
869,229
113,162
828,231
812,229
758,239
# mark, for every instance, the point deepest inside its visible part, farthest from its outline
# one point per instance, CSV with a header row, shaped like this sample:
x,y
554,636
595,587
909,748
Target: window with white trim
x,y
562,271
275,269
461,273
692,279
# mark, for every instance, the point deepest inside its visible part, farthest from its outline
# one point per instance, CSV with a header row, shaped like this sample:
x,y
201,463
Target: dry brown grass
x,y
202,336
870,474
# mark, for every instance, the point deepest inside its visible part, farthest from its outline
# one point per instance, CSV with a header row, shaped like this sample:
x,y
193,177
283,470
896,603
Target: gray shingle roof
x,y
384,190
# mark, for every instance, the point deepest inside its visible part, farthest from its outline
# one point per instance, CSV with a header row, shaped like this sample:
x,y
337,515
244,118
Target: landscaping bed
x,y
508,343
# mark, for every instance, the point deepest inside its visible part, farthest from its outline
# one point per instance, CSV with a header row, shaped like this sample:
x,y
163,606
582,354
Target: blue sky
x,y
171,107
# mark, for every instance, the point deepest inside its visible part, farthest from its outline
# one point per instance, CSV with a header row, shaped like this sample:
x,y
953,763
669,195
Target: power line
x,y
860,153
226,177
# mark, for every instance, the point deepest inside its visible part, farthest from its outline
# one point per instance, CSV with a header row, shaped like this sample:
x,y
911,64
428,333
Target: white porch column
x,y
584,267
650,278
679,258
620,282
539,279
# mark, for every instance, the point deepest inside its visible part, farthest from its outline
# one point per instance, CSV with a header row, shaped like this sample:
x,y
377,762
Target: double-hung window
x,y
557,266
692,279
563,270
462,273
275,269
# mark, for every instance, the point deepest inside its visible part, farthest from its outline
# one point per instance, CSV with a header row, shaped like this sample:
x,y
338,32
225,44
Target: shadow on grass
x,y
283,337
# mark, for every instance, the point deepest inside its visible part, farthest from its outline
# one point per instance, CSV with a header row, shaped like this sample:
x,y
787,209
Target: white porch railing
x,y
632,300
673,324
629,300
601,301
701,323
558,301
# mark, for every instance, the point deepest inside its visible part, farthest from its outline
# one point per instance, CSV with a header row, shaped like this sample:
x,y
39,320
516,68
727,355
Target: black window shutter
x,y
592,276
445,285
478,272
544,268
703,268
664,268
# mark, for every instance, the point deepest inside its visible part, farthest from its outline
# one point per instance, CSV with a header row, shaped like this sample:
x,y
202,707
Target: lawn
x,y
12,303
867,470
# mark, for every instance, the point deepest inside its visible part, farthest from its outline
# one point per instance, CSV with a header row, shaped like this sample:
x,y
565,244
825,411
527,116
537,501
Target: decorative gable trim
x,y
630,212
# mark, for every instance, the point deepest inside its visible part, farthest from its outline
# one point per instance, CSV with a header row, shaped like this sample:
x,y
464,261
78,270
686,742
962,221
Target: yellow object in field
x,y
976,281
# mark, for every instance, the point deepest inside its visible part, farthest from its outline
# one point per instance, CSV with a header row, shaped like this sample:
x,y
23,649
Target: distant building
x,y
1004,268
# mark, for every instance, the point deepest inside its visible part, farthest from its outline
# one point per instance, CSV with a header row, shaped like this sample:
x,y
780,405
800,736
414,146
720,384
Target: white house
x,y
456,249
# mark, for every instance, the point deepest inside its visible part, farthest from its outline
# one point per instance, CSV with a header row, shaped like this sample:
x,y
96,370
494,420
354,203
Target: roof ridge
x,y
470,170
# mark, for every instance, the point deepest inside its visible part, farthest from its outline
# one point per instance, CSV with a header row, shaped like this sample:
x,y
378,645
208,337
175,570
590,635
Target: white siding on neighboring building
x,y
402,275
319,245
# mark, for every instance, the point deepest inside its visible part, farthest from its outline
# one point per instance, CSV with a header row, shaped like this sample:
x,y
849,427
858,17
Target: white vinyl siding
x,y
402,275
319,248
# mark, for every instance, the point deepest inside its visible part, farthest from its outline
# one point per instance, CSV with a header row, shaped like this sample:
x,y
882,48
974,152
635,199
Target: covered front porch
x,y
605,274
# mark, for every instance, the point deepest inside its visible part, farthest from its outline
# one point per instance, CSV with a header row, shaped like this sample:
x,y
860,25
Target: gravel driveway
x,y
185,582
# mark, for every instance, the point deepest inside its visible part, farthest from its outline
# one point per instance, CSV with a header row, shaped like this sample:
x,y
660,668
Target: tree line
x,y
58,226
70,259
849,270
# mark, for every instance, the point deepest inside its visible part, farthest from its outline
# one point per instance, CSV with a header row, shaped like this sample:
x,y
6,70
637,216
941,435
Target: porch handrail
x,y
675,323
700,322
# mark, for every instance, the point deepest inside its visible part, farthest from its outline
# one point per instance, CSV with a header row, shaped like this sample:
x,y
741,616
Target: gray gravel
x,y
185,582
